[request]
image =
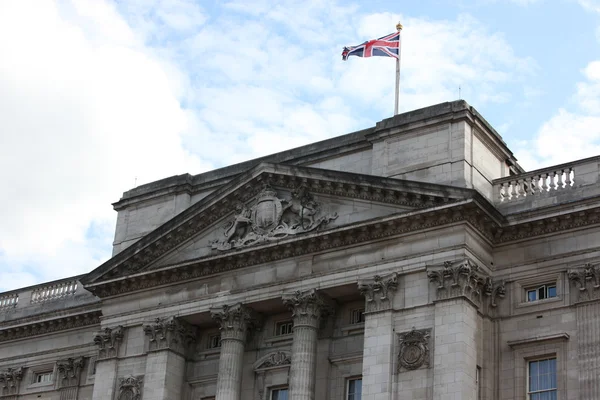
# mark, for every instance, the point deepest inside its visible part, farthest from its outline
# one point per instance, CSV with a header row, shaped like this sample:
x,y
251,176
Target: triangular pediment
x,y
272,205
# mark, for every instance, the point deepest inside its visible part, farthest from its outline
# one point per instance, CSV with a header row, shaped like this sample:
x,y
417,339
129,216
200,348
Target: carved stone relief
x,y
108,341
308,307
465,279
272,218
587,280
378,291
130,388
10,380
170,333
276,359
235,321
69,371
413,349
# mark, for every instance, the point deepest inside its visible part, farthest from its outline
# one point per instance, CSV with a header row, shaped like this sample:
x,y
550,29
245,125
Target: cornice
x,y
45,327
46,316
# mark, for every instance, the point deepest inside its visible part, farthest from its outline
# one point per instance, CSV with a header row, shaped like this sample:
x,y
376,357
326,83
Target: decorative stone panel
x,y
170,333
10,380
378,291
465,279
69,371
587,280
413,349
130,388
108,342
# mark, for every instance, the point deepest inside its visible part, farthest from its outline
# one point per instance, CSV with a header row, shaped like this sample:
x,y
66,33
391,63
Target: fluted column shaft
x,y
234,322
307,309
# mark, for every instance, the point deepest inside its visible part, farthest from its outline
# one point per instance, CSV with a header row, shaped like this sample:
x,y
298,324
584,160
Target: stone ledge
x,y
563,336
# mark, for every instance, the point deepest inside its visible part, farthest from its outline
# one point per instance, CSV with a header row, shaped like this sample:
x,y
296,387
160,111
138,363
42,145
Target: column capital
x,y
69,371
308,306
378,291
170,333
587,280
9,381
108,341
235,321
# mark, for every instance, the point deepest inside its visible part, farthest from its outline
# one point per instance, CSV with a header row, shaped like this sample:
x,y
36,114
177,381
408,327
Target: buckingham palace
x,y
415,259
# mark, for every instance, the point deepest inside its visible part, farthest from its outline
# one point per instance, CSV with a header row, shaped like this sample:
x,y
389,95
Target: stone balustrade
x,y
547,181
54,291
9,300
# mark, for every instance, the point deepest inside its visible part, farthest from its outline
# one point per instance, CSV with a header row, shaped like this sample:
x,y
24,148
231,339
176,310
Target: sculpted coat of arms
x,y
272,218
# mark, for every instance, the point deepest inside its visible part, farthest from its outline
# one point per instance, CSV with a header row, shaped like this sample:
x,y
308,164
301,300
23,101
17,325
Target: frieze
x,y
308,307
235,321
378,291
46,327
587,280
10,380
69,371
108,341
130,388
170,333
465,279
273,360
272,218
413,349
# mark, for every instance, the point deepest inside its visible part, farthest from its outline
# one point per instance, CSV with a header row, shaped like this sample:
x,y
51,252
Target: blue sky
x,y
98,95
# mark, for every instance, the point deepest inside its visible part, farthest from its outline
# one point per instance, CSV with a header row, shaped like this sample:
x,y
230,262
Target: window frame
x,y
545,287
278,388
529,393
41,373
361,316
284,322
347,391
209,341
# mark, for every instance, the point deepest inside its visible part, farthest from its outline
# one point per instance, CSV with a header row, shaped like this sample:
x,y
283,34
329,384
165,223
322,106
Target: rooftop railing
x,y
54,291
547,181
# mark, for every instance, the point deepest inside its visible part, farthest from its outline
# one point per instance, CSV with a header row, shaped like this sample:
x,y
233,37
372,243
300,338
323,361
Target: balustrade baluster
x,y
560,180
568,180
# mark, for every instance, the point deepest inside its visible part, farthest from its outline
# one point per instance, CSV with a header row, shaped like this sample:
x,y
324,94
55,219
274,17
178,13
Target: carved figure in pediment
x,y
272,218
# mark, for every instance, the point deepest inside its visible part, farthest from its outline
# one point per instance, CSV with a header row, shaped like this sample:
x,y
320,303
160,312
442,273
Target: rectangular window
x,y
283,328
357,316
354,389
279,394
42,377
214,341
541,292
542,380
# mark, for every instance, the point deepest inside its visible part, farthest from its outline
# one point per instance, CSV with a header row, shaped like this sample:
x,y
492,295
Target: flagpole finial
x,y
399,26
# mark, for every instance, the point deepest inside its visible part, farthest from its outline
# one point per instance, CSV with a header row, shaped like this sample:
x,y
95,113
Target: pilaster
x,y
168,342
307,308
69,373
108,342
234,323
378,351
10,381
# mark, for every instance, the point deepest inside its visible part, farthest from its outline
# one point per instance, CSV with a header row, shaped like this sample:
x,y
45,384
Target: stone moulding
x,y
130,388
413,352
170,333
108,341
36,328
587,280
378,291
9,381
69,371
465,279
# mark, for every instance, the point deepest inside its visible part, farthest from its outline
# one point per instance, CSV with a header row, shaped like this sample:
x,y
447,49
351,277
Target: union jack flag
x,y
386,46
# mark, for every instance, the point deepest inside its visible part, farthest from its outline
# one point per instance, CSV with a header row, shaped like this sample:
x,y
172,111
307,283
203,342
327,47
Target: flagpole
x,y
399,28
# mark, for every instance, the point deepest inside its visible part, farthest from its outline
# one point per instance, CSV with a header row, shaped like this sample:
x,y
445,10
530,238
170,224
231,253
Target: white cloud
x,y
83,111
590,5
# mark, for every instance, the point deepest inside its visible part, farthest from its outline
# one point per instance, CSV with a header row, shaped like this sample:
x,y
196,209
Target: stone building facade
x,y
412,260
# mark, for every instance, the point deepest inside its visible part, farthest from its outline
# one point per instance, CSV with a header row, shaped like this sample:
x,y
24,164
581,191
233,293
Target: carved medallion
x,y
130,388
272,218
414,349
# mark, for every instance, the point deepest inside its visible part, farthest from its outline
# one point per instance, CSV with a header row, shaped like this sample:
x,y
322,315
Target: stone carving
x,y
378,291
272,218
130,388
108,341
9,380
464,279
413,349
69,371
308,307
170,333
587,280
235,321
276,359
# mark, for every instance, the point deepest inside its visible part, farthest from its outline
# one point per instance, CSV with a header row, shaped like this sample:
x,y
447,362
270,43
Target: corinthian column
x,y
307,309
234,322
